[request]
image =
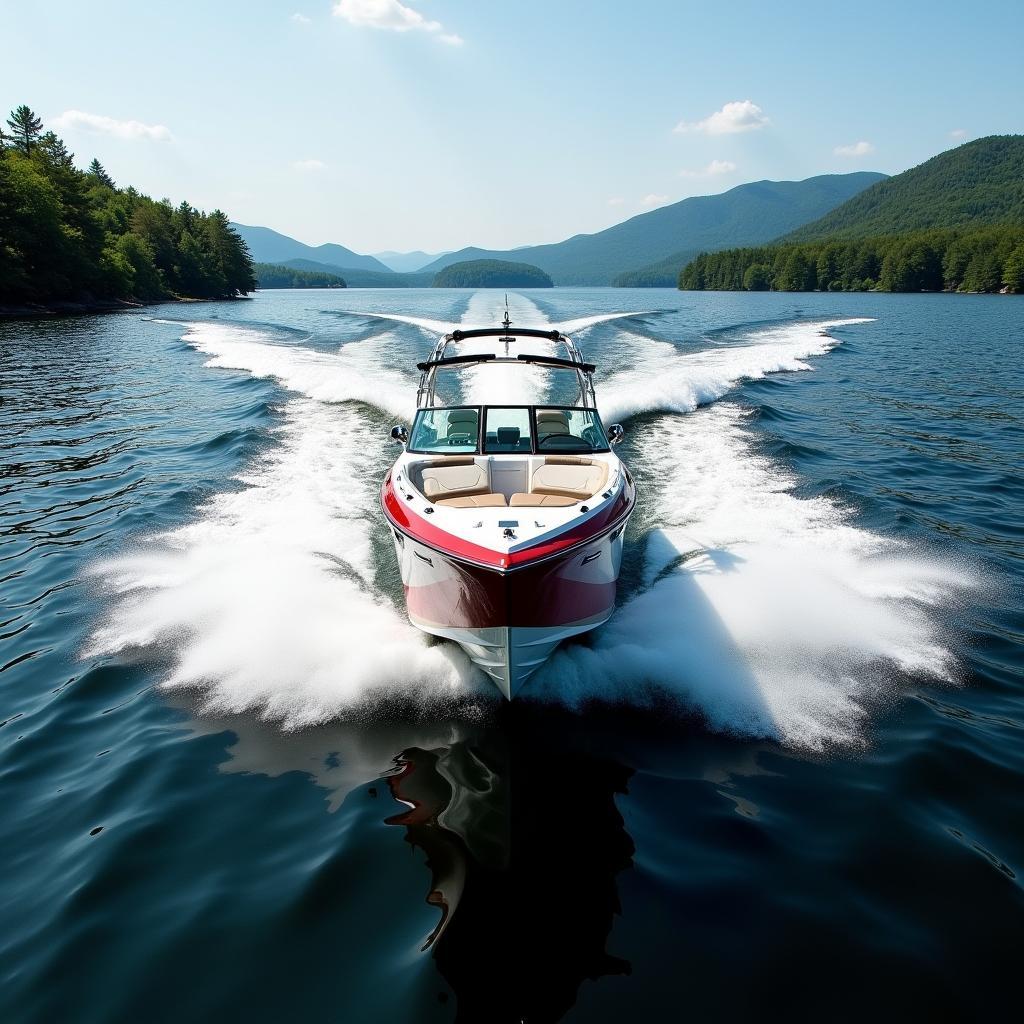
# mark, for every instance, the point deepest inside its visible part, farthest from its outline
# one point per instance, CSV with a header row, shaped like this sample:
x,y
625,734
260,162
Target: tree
x,y
1013,271
757,278
97,170
25,128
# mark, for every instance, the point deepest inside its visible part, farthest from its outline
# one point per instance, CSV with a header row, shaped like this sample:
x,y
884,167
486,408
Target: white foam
x,y
358,372
662,379
266,601
769,615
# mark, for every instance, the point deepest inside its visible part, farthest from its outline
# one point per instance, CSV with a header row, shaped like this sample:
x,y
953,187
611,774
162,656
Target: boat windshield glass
x,y
570,430
452,431
507,430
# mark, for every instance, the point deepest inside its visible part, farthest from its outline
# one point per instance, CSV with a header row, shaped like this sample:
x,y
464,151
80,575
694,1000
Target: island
x,y
273,275
492,274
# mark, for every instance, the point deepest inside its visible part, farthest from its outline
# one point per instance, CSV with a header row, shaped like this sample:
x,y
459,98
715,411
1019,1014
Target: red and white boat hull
x,y
509,619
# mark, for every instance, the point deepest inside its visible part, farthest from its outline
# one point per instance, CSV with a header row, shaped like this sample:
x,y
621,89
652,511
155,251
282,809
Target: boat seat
x,y
452,478
474,501
549,500
570,477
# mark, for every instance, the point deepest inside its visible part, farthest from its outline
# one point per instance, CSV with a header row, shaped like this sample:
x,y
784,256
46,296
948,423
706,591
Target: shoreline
x,y
41,311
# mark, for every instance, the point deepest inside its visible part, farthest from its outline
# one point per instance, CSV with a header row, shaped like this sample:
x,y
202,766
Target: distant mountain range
x,y
745,215
407,262
269,246
671,235
978,184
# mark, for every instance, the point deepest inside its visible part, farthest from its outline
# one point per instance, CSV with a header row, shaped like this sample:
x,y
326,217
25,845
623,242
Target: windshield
x,y
450,431
570,430
517,429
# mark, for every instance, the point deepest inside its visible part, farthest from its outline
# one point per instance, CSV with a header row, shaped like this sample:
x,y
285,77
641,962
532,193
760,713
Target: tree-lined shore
x,y
74,238
988,260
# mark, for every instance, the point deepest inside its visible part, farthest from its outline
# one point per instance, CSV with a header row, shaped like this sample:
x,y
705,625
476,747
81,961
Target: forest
x,y
74,236
273,275
989,259
491,274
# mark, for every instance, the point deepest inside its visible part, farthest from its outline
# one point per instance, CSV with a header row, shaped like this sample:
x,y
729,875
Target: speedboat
x,y
507,519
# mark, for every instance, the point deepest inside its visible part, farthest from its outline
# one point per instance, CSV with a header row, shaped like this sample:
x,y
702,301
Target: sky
x,y
435,124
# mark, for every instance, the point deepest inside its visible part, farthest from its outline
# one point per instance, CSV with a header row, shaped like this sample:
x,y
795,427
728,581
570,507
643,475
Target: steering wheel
x,y
562,441
460,439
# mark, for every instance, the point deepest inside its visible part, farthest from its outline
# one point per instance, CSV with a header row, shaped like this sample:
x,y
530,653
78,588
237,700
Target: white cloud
x,y
616,201
738,116
855,149
958,133
653,200
300,19
713,169
309,165
100,125
391,16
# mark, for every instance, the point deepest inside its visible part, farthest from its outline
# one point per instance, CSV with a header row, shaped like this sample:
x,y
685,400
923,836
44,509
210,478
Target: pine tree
x,y
25,127
97,170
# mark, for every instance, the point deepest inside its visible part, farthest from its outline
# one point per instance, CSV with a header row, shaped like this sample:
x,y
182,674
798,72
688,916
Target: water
x,y
236,784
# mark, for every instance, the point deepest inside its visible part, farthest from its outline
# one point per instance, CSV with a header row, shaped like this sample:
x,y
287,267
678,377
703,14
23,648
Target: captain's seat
x,y
462,426
551,423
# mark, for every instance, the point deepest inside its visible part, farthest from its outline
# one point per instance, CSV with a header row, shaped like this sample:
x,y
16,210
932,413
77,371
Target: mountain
x,y
355,277
269,246
407,262
745,215
978,184
491,274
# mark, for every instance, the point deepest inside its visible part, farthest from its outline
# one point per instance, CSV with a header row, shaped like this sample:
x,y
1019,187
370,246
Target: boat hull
x,y
510,621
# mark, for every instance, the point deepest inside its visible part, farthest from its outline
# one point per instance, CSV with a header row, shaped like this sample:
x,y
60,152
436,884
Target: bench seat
x,y
473,501
537,500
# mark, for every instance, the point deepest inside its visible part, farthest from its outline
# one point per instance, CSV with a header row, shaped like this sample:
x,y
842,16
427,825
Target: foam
x,y
266,602
358,372
765,614
662,379
768,615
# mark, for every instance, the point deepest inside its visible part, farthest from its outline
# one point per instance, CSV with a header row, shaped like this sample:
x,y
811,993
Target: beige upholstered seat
x,y
452,478
550,500
463,421
552,423
474,501
572,477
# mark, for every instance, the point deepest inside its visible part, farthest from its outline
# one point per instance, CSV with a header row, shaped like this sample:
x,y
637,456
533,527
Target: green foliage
x,y
69,235
983,260
491,274
272,275
25,128
978,184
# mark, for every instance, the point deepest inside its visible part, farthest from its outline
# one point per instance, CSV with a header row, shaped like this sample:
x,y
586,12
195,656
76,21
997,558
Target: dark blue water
x,y
786,778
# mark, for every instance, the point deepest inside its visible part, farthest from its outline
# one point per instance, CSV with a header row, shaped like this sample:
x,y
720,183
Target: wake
x,y
767,615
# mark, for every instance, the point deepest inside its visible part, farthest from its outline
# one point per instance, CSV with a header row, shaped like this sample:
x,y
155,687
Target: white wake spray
x,y
767,614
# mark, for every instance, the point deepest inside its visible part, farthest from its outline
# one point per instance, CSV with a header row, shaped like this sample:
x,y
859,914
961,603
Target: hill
x,y
491,274
270,275
267,246
357,278
978,184
745,215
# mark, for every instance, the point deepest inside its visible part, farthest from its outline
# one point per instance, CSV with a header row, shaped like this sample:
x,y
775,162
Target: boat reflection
x,y
520,825
524,844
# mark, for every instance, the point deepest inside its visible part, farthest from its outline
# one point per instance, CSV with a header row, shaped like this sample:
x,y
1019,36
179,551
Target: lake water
x,y
787,776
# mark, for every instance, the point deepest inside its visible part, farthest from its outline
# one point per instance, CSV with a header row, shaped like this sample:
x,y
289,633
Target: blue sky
x,y
432,124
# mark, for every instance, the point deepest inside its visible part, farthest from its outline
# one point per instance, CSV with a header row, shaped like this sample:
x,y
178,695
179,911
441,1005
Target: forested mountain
x,y
269,246
954,223
68,235
492,274
356,278
747,214
975,185
270,275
